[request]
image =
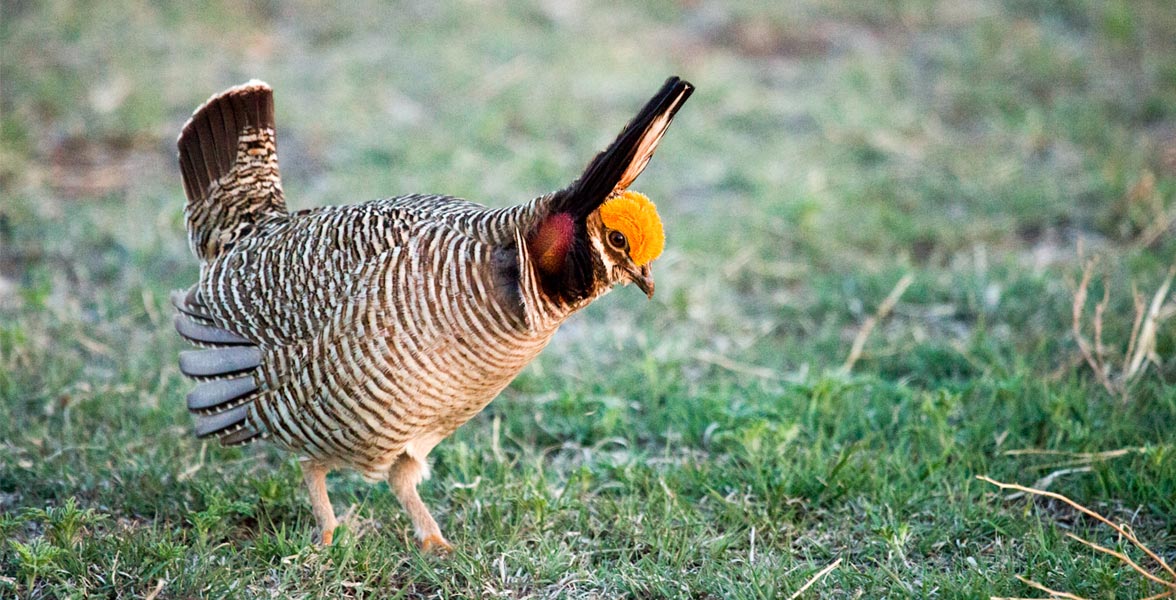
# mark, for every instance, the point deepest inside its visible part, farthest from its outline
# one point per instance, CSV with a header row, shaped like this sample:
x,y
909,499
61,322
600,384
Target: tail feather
x,y
229,162
614,169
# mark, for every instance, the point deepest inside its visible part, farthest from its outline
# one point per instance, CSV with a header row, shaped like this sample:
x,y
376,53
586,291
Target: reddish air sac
x,y
550,243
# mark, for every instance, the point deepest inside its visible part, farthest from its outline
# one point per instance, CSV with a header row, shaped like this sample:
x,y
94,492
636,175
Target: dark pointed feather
x,y
617,167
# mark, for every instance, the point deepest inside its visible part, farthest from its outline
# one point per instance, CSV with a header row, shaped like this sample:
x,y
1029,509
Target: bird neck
x,y
558,271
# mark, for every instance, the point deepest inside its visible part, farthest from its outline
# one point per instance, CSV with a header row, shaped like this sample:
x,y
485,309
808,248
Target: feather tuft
x,y
613,170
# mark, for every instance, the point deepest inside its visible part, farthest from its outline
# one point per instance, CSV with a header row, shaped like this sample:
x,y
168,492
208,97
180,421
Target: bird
x,y
360,336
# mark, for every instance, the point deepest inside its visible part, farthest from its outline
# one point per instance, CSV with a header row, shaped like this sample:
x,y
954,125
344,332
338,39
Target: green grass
x,y
702,445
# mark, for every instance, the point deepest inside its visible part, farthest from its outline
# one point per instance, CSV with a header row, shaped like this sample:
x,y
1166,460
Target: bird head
x,y
628,238
597,233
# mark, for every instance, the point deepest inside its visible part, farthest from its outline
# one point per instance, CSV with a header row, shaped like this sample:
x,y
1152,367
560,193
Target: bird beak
x,y
643,277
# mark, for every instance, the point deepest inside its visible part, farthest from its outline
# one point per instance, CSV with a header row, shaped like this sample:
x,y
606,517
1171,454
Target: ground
x,y
710,443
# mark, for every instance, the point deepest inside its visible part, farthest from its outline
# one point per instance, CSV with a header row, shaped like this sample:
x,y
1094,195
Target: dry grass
x,y
1161,574
883,311
815,578
832,147
1141,345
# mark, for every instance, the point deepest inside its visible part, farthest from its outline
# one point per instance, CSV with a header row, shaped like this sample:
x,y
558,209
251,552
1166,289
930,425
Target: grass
x,y
702,445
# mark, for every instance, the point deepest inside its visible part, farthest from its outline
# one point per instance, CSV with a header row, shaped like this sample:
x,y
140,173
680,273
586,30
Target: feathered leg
x,y
403,478
315,475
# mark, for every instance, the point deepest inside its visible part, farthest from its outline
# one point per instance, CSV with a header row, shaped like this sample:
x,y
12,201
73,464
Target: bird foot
x,y
436,544
327,536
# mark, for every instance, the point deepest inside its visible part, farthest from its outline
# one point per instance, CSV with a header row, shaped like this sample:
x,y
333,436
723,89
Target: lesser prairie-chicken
x,y
361,336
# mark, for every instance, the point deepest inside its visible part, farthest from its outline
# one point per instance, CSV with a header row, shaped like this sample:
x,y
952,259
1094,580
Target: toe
x,y
435,543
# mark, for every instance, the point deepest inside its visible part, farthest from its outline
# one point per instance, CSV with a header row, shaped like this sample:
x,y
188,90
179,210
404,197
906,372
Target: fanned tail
x,y
229,161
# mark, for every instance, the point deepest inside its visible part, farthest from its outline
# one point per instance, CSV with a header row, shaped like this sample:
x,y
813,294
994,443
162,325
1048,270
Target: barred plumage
x,y
360,336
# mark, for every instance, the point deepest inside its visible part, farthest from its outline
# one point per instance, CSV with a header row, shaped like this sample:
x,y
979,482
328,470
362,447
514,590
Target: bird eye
x,y
617,240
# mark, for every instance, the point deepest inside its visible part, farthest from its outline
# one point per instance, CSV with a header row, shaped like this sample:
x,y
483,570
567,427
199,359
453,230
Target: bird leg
x,y
404,476
315,475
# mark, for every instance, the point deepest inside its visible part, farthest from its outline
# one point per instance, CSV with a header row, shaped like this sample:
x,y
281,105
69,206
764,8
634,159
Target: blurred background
x,y
829,144
987,148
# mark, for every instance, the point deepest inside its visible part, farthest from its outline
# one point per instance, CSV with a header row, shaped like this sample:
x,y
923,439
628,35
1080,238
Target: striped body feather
x,y
378,324
356,334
